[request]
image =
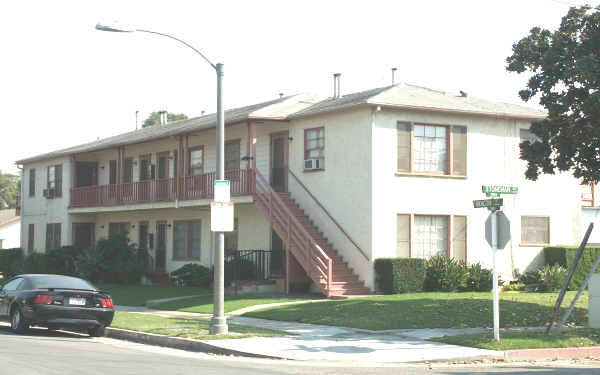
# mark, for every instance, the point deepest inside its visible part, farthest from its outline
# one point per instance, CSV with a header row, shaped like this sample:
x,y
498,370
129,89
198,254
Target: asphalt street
x,y
40,351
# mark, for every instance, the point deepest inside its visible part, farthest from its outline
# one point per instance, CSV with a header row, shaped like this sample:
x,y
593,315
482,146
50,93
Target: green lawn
x,y
527,340
204,304
186,328
137,295
429,310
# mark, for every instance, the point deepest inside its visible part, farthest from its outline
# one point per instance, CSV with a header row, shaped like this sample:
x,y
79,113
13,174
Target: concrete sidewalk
x,y
317,342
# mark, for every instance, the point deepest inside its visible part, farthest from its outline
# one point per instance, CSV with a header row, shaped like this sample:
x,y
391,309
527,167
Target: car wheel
x,y
17,321
96,331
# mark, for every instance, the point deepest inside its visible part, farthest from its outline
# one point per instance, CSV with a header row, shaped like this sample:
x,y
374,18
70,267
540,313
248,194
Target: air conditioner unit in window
x,y
312,164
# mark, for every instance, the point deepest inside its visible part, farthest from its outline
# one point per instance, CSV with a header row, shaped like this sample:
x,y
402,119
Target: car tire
x,y
17,321
97,331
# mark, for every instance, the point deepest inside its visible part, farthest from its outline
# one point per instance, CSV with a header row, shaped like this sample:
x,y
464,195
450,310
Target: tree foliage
x,y
565,74
9,188
154,118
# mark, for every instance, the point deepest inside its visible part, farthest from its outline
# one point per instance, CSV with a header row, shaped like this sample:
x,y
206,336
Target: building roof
x,y
402,96
8,217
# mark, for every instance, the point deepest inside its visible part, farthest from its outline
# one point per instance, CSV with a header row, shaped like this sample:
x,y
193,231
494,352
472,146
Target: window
x,y
127,171
423,236
232,156
32,182
53,236
431,149
55,179
196,157
535,230
30,238
112,172
1,243
162,161
527,135
12,285
431,236
314,143
118,228
146,168
175,164
186,240
231,238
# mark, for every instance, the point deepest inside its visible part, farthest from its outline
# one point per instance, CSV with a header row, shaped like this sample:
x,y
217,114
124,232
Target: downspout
x,y
374,111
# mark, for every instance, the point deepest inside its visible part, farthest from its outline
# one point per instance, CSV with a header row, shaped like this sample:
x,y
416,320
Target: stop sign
x,y
503,229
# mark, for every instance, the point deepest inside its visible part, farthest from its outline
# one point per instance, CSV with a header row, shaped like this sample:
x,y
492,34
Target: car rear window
x,y
62,282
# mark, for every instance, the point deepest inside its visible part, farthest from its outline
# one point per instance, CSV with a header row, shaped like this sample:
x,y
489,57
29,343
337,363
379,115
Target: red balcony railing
x,y
170,189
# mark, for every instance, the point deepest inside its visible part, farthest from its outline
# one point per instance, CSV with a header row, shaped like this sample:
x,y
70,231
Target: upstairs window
x,y
32,182
55,179
314,144
196,159
431,149
112,172
232,156
128,171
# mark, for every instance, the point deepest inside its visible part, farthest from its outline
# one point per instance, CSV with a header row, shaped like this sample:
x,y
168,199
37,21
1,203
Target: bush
x,y
479,279
62,261
192,274
300,287
36,263
11,262
111,260
446,275
564,257
400,275
553,277
530,278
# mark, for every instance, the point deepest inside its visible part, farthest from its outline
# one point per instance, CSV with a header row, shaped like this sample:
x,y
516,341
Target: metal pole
x,y
218,323
495,272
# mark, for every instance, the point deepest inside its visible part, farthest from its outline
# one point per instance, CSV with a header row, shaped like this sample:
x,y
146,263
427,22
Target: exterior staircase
x,y
306,242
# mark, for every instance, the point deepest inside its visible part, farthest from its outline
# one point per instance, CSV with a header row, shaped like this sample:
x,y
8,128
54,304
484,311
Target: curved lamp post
x,y
218,323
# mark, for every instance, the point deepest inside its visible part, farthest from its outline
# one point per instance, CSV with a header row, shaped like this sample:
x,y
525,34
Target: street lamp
x,y
218,323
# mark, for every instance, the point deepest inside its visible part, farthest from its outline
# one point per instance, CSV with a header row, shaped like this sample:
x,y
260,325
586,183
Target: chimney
x,y
163,117
463,94
394,75
202,113
336,85
280,95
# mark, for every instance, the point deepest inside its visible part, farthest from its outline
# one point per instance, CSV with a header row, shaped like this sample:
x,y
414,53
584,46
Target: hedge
x,y
564,256
11,261
400,275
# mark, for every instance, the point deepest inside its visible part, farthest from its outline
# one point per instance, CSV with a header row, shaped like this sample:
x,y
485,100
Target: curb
x,y
177,343
151,302
552,353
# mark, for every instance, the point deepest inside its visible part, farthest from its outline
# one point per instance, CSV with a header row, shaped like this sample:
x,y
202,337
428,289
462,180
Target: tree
x,y
154,118
565,68
9,188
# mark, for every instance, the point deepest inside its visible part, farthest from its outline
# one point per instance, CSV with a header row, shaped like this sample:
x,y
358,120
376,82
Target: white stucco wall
x,y
492,159
10,235
343,187
591,215
39,210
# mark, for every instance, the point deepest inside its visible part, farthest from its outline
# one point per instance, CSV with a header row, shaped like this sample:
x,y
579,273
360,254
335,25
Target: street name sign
x,y
496,190
488,203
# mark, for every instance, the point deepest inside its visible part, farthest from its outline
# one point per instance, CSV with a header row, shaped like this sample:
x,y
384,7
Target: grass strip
x,y
204,304
527,340
137,295
185,328
429,310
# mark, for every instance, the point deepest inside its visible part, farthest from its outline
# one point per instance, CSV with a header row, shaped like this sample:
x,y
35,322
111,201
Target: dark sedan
x,y
55,302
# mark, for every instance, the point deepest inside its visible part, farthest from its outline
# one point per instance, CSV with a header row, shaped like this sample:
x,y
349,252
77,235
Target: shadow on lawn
x,y
386,313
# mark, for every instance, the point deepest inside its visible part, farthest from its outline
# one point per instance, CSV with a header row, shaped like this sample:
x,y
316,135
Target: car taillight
x,y
107,303
43,299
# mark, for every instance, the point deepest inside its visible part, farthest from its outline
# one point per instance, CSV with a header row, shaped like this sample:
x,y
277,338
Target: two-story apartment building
x,y
336,182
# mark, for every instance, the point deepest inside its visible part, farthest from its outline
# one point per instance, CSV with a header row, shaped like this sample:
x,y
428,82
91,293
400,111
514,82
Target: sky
x,y
63,83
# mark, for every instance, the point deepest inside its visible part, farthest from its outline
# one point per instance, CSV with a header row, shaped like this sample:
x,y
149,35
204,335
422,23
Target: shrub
x,y
192,274
530,278
300,287
11,262
111,260
36,263
565,256
479,279
400,275
446,275
62,261
552,277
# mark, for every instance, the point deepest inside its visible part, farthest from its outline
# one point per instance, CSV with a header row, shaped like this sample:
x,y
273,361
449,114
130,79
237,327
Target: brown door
x,y
83,235
279,161
161,246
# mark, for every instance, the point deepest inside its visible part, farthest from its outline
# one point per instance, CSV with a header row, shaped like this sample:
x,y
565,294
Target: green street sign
x,y
488,203
499,189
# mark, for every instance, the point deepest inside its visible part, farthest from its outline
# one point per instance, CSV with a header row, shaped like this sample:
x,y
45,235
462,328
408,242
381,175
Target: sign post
x,y
493,229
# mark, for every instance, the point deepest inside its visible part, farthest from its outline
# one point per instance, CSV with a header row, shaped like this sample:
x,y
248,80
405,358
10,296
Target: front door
x,y
279,161
161,246
143,256
83,235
